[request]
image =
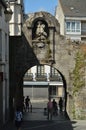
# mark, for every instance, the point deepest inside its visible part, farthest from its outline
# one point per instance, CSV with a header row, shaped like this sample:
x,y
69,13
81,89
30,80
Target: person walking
x,y
24,104
50,109
55,108
60,104
30,105
18,118
27,100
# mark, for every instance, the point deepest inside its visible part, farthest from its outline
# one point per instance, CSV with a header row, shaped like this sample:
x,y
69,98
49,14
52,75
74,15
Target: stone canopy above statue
x,y
40,30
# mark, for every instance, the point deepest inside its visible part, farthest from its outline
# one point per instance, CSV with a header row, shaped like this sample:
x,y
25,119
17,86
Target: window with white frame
x,y
53,71
73,26
40,69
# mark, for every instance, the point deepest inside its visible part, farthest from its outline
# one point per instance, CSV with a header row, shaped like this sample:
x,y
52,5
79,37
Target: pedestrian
x,y
18,118
50,109
55,108
30,105
27,100
24,104
60,104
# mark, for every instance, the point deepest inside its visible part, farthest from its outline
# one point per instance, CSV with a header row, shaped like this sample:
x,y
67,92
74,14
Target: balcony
x,y
55,77
28,77
41,77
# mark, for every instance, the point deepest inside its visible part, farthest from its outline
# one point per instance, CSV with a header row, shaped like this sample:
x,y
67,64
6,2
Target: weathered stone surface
x,y
47,47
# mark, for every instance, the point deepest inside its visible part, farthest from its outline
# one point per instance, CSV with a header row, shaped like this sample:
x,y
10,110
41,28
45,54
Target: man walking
x,y
50,109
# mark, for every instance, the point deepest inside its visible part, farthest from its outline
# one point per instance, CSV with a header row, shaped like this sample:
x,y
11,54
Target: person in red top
x,y
50,109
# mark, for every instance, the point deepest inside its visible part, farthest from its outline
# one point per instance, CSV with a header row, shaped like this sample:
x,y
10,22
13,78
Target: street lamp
x,y
8,13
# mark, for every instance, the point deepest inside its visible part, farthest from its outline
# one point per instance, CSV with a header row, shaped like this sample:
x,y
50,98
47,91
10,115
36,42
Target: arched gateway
x,y
40,43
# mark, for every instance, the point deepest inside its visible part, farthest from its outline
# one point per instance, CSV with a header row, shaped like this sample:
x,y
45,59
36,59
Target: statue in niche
x,y
41,35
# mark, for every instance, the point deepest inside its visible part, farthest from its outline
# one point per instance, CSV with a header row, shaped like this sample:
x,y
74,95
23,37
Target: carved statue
x,y
40,31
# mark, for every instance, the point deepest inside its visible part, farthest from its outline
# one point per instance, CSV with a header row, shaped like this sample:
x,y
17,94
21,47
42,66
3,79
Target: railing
x,y
55,77
41,77
28,77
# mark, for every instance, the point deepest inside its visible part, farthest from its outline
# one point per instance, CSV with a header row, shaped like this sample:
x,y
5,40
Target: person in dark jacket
x,y
61,104
27,100
55,108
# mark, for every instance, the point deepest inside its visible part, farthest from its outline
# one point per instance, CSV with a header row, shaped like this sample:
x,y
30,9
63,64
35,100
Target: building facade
x,y
42,82
15,24
72,19
4,64
12,28
33,49
15,30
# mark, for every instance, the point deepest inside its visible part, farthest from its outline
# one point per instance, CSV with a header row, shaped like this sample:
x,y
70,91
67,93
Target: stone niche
x,y
40,33
41,41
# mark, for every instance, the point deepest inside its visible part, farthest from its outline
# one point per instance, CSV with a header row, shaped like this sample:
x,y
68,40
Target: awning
x,y
42,83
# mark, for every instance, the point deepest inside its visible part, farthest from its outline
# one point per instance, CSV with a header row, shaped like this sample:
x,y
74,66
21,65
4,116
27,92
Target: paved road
x,y
49,125
38,121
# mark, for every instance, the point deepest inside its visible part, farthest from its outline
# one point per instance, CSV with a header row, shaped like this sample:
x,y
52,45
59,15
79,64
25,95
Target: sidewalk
x,y
79,124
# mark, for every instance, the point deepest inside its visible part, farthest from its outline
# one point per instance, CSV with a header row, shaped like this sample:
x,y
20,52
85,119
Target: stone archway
x,y
40,43
47,72
37,45
46,83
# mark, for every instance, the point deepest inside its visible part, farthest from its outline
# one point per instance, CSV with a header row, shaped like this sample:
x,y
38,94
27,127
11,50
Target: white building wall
x,y
17,18
60,17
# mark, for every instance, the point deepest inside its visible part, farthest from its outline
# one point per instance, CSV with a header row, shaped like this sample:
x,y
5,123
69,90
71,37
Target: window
x,y
73,26
52,90
40,69
53,71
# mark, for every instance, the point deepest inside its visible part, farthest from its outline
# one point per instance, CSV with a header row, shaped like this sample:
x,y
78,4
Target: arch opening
x,y
42,82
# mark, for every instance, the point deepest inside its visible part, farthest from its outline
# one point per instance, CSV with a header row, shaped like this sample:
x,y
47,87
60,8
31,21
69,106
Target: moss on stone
x,y
79,72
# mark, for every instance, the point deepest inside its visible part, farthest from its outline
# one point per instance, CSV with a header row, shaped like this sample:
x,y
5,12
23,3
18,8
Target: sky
x,y
32,6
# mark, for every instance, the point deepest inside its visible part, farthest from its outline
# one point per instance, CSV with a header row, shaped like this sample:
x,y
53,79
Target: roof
x,y
74,8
